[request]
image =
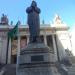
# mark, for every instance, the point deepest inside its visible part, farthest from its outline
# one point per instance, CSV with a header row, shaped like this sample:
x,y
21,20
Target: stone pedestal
x,y
37,59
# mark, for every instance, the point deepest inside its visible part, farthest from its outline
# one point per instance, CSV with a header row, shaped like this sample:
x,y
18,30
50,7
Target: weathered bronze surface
x,y
33,21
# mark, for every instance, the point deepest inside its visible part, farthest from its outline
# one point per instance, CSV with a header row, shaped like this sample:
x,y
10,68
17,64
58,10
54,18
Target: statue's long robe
x,y
33,21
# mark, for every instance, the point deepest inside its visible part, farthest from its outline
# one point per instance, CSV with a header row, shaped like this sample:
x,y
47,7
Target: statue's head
x,y
34,4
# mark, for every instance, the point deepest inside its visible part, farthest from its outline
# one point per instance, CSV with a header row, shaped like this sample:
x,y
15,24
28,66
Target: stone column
x,y
45,40
18,52
0,49
4,49
18,45
18,48
54,47
9,52
27,39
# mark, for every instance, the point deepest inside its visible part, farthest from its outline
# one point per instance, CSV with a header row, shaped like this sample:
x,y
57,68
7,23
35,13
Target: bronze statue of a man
x,y
33,21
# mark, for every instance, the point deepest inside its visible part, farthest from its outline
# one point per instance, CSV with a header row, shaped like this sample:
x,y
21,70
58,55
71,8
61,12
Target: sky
x,y
16,10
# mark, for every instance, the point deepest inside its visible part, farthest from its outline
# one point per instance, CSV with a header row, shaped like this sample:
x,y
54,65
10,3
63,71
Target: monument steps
x,y
71,70
9,69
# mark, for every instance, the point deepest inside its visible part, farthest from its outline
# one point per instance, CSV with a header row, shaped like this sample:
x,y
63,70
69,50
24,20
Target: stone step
x,y
10,69
71,70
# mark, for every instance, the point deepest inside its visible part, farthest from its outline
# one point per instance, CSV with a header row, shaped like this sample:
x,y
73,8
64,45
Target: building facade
x,y
72,36
55,35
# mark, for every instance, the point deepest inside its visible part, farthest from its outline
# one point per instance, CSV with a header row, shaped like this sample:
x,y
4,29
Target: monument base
x,y
39,71
37,59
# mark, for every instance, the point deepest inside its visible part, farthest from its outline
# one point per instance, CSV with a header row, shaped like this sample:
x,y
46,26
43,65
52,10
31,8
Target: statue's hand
x,y
29,9
37,10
